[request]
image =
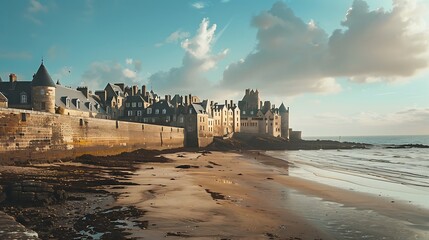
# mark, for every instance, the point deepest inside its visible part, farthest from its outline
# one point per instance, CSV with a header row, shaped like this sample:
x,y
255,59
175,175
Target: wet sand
x,y
232,195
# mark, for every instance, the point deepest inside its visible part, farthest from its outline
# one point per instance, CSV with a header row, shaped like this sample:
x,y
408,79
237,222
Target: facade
x,y
258,118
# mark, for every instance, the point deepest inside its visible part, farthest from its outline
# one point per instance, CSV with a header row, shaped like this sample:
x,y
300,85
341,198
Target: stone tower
x,y
284,114
43,91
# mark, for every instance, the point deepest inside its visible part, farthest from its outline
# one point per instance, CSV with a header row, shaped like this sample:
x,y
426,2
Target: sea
x,y
398,174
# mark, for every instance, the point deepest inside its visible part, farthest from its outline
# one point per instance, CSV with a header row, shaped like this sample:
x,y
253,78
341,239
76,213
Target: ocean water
x,y
401,175
378,140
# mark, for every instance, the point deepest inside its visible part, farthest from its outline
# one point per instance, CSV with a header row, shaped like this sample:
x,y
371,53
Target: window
x,y
139,113
251,112
156,111
190,111
68,102
140,104
167,119
130,113
145,120
153,120
23,98
77,103
134,104
149,111
90,106
164,111
127,104
42,91
181,119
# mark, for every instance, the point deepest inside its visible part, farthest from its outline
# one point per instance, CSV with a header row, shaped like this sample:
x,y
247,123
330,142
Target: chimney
x,y
144,90
211,103
247,91
190,99
166,98
226,103
13,77
135,90
186,100
181,100
84,91
230,103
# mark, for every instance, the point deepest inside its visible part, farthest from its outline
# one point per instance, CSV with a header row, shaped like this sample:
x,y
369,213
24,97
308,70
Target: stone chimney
x,y
84,91
135,90
144,90
230,103
226,103
186,101
190,99
13,77
247,91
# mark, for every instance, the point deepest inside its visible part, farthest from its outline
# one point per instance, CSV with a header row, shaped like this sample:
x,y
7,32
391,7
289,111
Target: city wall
x,y
31,135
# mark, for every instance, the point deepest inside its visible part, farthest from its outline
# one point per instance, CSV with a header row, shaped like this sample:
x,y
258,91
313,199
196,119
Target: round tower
x,y
43,91
284,114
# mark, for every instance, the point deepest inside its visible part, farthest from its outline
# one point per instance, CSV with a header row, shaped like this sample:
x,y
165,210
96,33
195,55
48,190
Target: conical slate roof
x,y
282,108
42,78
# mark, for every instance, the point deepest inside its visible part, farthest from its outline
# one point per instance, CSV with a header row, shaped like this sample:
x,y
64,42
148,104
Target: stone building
x,y
3,101
226,118
258,118
42,94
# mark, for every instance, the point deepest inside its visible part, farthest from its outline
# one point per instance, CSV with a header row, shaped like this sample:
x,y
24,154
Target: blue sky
x,y
342,70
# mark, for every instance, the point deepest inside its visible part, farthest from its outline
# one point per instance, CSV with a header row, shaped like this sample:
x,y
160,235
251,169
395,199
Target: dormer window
x,y
164,111
149,111
156,111
24,98
190,111
76,102
68,102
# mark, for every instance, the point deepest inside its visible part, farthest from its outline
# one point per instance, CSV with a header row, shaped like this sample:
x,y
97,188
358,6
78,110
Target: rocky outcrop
x,y
30,192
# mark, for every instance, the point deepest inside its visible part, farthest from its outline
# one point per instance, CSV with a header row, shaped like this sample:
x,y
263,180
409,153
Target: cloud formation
x,y
407,121
198,59
102,72
174,37
34,8
198,5
294,57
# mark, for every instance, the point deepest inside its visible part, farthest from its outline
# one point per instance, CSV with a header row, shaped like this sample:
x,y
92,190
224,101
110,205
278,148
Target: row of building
x,y
202,119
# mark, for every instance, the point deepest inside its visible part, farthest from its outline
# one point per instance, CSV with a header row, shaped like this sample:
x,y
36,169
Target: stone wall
x,y
30,135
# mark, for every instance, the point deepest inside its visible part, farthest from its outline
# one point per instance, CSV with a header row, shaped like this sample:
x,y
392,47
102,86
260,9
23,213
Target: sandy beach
x,y
203,195
234,195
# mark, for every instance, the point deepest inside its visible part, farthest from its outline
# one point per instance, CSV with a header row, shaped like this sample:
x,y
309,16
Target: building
x,y
258,118
42,94
226,118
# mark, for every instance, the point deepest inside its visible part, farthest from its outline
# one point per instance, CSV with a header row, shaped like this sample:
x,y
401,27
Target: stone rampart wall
x,y
29,135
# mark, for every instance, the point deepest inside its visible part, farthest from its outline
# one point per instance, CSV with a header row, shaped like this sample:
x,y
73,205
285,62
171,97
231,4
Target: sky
x,y
344,67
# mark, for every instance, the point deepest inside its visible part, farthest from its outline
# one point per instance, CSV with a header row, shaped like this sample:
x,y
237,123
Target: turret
x,y
284,114
43,91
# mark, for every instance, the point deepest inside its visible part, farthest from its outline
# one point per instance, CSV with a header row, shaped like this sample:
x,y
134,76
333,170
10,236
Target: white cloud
x,y
33,9
174,37
129,61
198,5
407,121
198,59
100,73
35,6
128,73
294,57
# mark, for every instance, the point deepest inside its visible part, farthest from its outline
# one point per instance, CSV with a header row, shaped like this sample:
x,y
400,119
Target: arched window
x,y
164,111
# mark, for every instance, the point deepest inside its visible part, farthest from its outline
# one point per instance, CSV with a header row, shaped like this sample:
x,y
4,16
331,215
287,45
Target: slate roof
x,y
42,78
13,90
62,93
197,108
282,108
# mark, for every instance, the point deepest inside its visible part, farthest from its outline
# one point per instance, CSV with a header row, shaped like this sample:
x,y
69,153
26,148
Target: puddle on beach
x,y
342,222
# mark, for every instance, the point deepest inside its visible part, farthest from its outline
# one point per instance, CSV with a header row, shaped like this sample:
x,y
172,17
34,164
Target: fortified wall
x,y
32,135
